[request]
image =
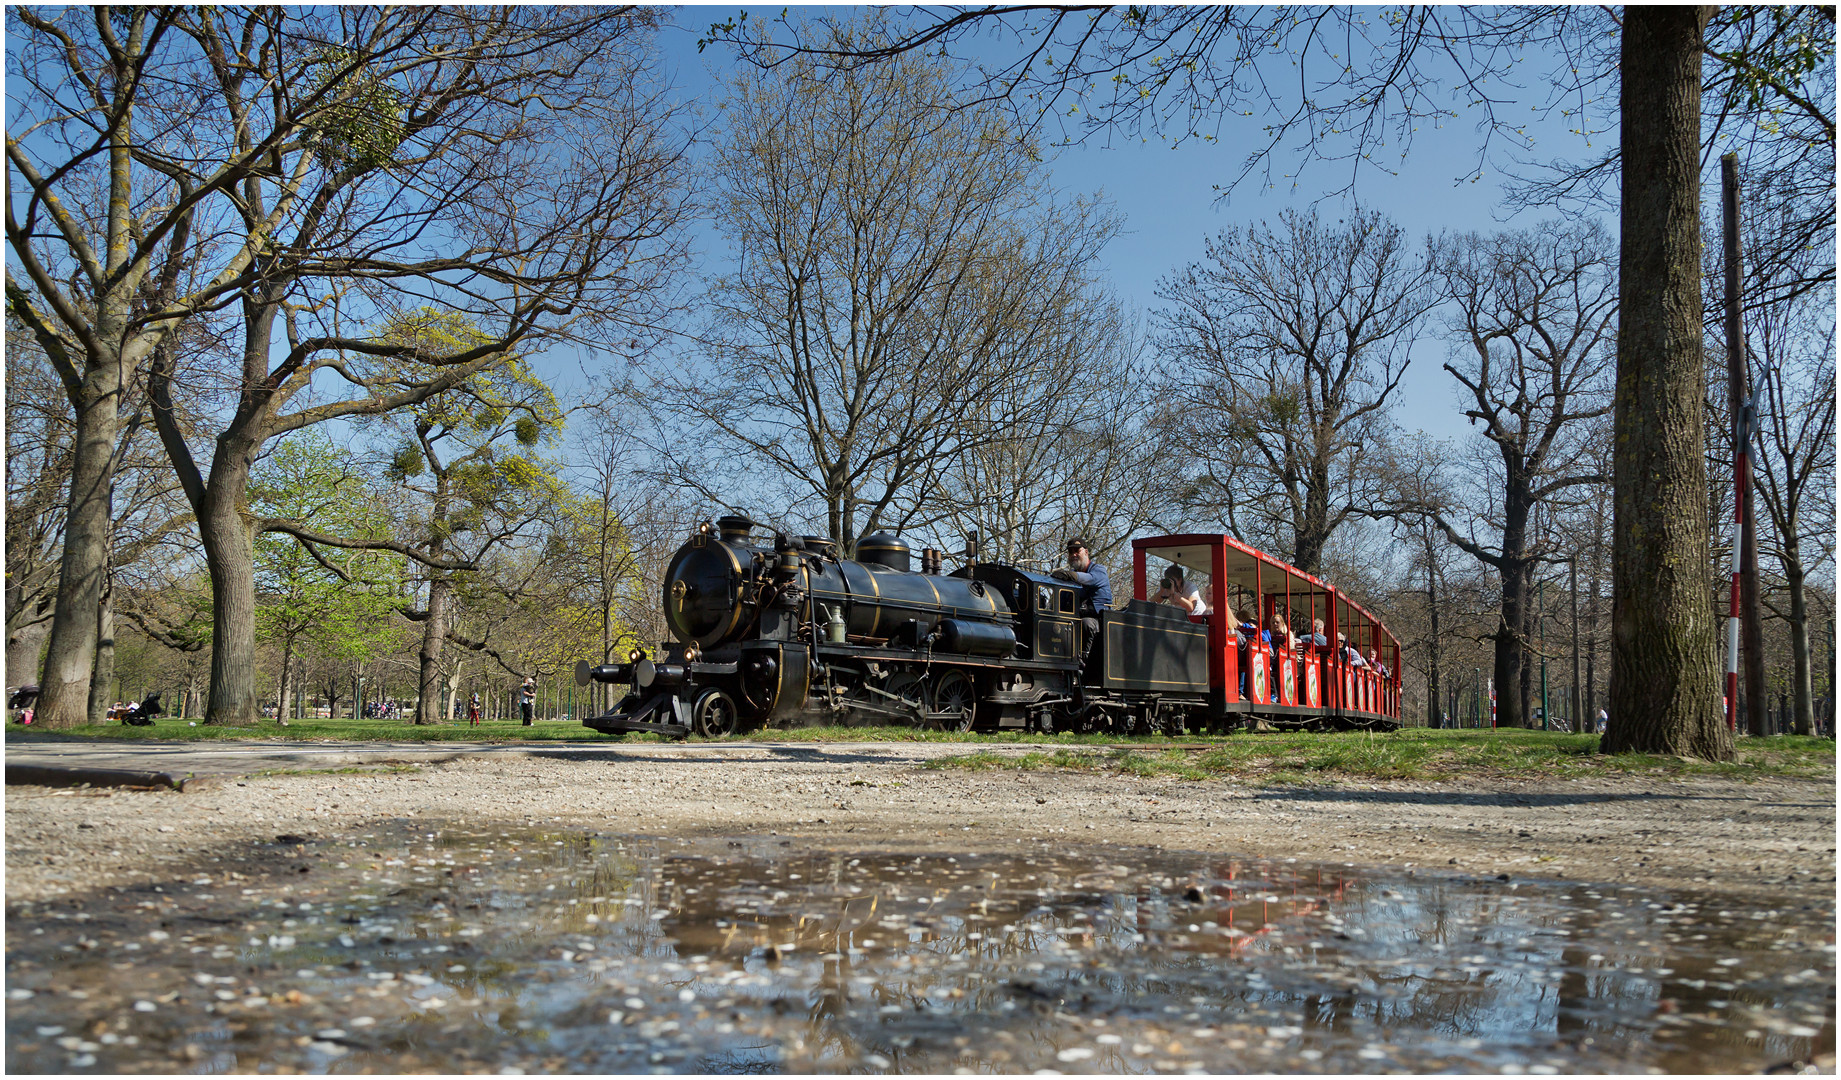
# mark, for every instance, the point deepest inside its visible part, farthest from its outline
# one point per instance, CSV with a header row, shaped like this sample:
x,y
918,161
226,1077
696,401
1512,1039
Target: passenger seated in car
x,y
1316,636
1249,626
1349,653
1280,636
1375,664
1179,593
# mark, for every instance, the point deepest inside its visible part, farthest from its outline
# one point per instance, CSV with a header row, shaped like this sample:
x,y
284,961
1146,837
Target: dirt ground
x,y
1770,840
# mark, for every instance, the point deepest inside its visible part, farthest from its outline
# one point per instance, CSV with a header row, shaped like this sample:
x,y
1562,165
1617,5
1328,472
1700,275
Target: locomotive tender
x,y
781,630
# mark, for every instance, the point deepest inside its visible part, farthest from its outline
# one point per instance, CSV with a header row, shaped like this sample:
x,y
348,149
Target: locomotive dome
x,y
885,549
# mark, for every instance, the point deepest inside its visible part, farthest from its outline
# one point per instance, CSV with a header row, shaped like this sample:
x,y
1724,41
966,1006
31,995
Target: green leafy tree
x,y
471,457
339,601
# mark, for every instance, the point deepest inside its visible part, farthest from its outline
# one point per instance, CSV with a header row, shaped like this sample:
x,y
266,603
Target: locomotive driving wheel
x,y
906,686
714,715
954,694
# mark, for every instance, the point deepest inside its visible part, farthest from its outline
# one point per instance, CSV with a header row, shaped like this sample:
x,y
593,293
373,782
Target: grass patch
x,y
1414,754
168,729
1275,759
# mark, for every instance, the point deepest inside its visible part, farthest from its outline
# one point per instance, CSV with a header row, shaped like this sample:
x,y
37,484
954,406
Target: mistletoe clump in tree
x,y
470,458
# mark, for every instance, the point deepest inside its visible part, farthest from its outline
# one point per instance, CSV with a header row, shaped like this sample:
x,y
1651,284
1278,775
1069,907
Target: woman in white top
x,y
1181,594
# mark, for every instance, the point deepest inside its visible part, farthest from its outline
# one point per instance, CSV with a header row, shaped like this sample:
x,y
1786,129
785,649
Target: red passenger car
x,y
1284,672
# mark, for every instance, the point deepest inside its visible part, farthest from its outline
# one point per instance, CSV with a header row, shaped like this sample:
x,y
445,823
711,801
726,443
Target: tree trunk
x,y
282,713
1593,610
1433,699
1512,634
1664,672
434,636
1313,529
70,658
228,534
103,679
24,647
1801,680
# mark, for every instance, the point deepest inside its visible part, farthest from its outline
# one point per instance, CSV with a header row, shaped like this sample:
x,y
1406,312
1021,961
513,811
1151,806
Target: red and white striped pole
x,y
1740,471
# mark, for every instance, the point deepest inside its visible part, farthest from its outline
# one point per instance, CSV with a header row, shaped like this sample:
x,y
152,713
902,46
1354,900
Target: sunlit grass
x,y
367,730
1414,754
1289,758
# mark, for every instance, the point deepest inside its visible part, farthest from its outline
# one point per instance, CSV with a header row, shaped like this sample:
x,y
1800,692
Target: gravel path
x,y
1772,840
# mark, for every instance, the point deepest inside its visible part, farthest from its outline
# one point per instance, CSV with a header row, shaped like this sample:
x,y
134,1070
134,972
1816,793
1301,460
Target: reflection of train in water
x,y
783,631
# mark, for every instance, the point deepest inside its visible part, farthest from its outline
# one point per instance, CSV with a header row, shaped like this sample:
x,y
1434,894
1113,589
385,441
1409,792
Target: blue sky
x,y
1170,201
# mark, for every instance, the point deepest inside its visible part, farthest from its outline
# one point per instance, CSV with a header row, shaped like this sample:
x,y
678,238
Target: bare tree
x,y
1532,320
1078,467
348,164
38,460
1283,350
1358,79
898,260
1420,471
315,169
144,504
1794,376
619,532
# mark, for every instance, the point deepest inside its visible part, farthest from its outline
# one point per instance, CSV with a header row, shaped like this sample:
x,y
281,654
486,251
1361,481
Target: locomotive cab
x,y
1042,609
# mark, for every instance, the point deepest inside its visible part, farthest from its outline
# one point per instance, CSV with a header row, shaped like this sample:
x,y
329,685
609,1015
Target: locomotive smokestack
x,y
971,546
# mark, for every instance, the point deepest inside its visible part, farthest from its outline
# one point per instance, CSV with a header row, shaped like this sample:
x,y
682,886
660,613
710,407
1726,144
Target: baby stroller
x,y
142,714
23,698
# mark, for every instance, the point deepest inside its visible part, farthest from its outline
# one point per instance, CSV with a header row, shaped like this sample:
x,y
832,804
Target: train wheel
x,y
906,686
954,694
714,715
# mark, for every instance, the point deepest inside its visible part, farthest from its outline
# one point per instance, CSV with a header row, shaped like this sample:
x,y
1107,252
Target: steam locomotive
x,y
783,630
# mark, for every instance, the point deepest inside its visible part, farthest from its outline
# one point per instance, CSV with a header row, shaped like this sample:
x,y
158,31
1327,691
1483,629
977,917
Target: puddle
x,y
483,951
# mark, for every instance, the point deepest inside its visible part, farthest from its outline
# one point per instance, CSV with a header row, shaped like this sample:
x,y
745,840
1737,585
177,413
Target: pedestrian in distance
x,y
527,699
473,710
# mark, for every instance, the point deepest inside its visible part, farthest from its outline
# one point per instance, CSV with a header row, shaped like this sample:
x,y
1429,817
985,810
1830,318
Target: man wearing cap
x,y
1095,588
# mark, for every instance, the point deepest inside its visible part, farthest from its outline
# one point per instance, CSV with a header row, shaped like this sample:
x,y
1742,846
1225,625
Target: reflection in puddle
x,y
461,951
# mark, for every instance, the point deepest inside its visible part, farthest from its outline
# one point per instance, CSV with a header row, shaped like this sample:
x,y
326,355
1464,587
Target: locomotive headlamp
x,y
692,654
636,656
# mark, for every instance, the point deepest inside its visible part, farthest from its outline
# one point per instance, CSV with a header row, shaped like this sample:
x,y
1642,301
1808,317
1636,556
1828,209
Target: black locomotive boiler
x,y
782,630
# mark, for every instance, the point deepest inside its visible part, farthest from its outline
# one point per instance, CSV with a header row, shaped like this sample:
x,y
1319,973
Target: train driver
x,y
1095,586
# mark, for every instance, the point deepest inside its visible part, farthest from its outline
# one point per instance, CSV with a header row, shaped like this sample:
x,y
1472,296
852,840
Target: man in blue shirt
x,y
1095,590
1095,586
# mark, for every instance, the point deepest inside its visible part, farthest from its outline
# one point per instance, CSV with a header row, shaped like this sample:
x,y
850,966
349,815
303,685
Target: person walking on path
x,y
473,709
527,699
